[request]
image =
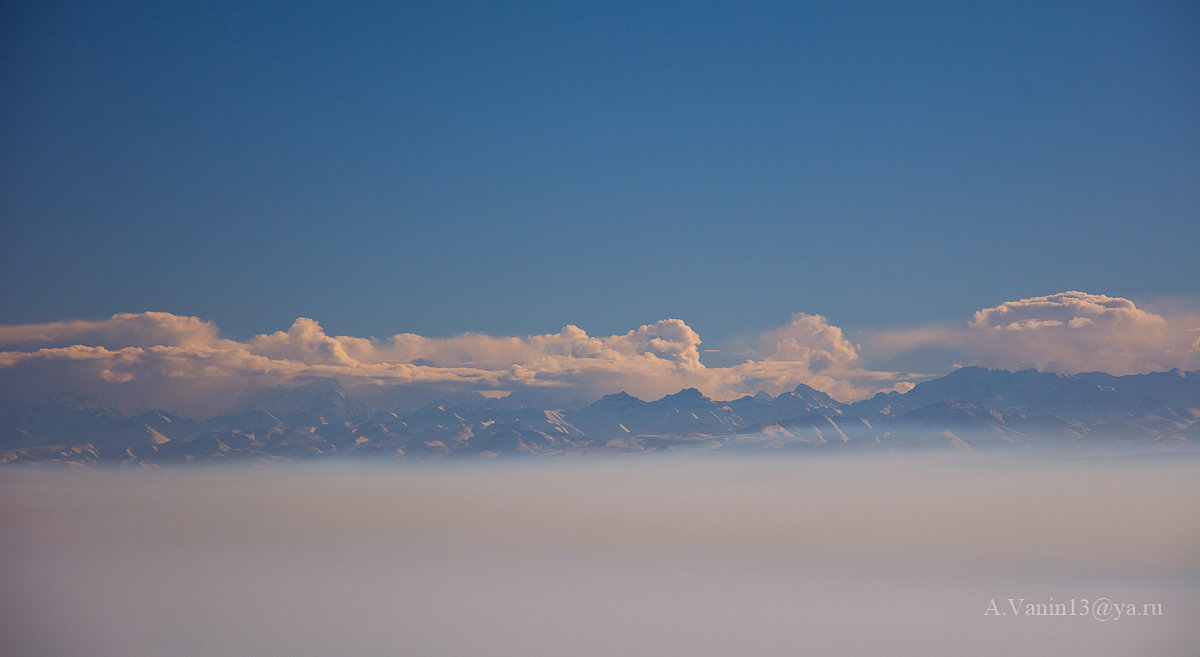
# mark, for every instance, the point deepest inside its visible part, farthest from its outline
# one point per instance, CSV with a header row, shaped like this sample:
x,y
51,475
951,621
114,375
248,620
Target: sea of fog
x,y
642,556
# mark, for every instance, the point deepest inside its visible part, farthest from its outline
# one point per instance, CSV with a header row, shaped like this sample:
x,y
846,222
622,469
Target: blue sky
x,y
511,168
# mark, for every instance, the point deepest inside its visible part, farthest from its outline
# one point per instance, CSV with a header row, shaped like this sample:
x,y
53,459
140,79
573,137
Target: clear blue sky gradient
x,y
513,167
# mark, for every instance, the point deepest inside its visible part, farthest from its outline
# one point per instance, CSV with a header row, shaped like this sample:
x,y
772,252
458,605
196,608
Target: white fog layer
x,y
688,557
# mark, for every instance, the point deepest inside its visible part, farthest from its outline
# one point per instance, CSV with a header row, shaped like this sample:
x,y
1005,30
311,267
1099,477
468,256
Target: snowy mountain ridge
x,y
970,408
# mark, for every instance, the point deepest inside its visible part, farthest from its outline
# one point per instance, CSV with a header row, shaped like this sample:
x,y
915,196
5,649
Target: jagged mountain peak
x,y
971,406
686,396
813,395
315,401
621,397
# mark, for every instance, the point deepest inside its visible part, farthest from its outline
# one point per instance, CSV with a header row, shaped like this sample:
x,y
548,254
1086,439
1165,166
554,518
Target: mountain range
x,y
971,408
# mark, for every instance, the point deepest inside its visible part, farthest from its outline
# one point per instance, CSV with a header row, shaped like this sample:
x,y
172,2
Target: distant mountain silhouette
x,y
970,408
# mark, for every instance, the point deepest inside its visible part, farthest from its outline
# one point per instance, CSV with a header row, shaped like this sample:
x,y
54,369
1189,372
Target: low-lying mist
x,y
681,556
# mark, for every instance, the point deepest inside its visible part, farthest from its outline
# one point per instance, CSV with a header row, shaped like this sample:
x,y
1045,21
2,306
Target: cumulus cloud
x,y
162,360
1076,331
304,342
1066,332
120,331
807,350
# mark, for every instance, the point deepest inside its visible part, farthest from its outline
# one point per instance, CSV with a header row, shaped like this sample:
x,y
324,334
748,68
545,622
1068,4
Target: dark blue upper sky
x,y
513,167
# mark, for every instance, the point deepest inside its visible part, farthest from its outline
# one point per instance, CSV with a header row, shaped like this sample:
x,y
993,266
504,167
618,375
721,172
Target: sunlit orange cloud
x,y
161,360
1068,332
169,361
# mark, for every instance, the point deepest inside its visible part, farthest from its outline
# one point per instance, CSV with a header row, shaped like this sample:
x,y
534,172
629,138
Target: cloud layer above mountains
x,y
168,361
1073,331
161,360
1067,332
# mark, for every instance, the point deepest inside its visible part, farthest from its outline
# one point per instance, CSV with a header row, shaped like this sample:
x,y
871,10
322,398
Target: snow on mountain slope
x,y
970,408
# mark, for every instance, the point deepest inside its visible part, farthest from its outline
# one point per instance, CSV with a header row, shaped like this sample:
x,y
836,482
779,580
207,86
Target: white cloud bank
x,y
1074,331
1068,332
161,360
